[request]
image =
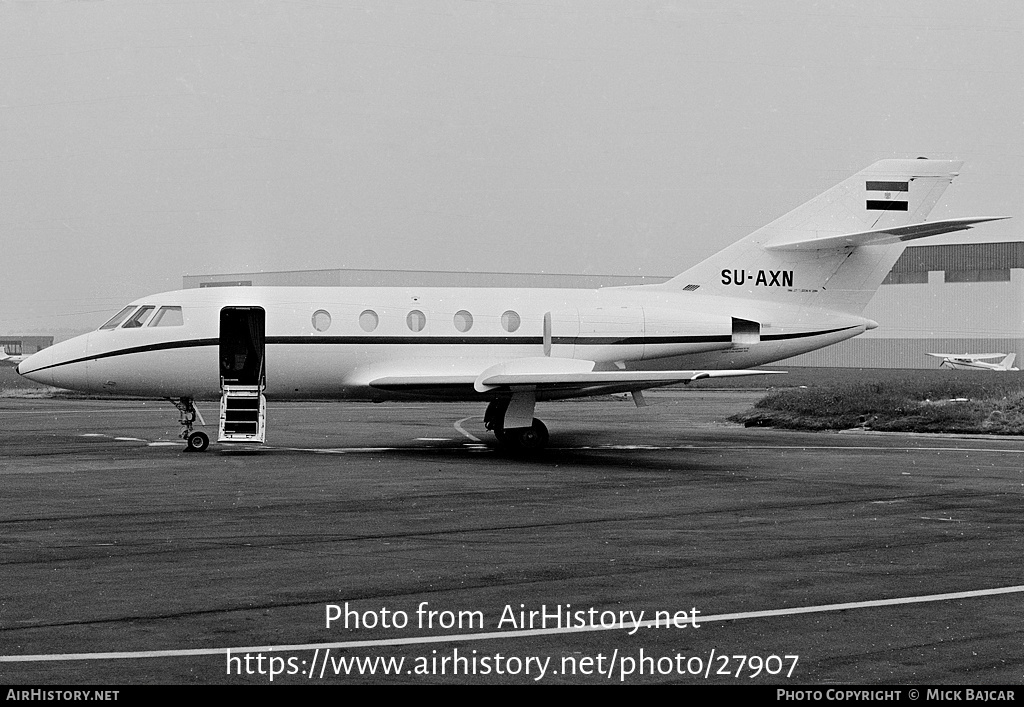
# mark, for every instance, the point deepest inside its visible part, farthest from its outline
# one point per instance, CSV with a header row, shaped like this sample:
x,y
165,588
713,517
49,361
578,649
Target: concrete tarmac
x,y
822,559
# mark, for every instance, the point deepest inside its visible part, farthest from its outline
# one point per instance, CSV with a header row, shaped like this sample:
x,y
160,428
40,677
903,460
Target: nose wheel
x,y
197,442
194,441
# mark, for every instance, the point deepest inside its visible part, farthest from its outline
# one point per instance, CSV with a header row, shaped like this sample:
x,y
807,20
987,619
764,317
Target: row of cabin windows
x,y
133,317
416,320
144,316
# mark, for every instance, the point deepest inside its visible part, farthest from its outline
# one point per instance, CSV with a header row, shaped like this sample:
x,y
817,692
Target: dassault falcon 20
x,y
795,285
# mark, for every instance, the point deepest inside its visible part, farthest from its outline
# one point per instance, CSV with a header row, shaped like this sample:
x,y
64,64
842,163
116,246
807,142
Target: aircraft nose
x,y
34,363
63,365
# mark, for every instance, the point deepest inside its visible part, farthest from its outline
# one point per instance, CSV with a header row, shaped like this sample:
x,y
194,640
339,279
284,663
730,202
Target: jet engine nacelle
x,y
673,332
632,333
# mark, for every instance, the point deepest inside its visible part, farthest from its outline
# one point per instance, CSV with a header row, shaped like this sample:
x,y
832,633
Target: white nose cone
x,y
33,366
63,365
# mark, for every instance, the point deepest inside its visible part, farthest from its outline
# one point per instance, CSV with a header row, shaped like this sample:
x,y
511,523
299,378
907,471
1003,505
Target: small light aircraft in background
x,y
976,362
7,359
796,285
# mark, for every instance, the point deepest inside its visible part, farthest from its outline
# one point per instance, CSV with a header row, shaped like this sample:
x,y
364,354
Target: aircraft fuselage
x,y
332,342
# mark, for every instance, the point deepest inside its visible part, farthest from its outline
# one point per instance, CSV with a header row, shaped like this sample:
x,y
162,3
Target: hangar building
x,y
341,277
14,345
963,298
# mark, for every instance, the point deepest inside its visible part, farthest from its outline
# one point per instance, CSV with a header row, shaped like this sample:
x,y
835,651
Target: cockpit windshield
x,y
168,316
113,322
144,316
140,317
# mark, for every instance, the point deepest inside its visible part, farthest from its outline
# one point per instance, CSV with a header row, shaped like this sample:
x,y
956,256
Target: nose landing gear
x,y
194,441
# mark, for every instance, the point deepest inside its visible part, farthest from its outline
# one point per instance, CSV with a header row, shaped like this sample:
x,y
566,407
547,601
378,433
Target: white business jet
x,y
795,285
977,362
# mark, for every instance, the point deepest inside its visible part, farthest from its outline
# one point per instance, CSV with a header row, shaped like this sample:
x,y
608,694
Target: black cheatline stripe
x,y
806,334
877,205
491,340
447,340
887,186
167,345
365,340
635,340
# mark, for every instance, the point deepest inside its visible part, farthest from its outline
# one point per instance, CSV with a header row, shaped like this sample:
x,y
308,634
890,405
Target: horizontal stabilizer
x,y
882,236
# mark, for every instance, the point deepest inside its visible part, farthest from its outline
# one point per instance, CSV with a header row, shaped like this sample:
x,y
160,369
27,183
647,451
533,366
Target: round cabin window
x,y
368,320
321,320
510,321
416,320
463,321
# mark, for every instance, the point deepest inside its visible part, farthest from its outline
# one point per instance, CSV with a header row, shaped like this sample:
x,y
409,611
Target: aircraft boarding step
x,y
243,414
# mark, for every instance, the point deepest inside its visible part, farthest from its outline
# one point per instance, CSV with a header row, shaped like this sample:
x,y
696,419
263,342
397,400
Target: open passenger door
x,y
243,407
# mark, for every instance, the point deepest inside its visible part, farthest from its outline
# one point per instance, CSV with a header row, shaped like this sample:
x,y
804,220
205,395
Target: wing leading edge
x,y
555,373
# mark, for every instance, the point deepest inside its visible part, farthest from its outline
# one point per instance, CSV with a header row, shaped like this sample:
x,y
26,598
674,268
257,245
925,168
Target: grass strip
x,y
985,405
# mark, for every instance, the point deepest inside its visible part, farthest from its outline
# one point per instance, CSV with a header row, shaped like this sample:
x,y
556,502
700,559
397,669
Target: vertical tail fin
x,y
1007,362
784,261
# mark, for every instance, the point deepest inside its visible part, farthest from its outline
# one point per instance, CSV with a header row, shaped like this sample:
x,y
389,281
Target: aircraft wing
x,y
881,236
543,373
969,357
421,381
617,379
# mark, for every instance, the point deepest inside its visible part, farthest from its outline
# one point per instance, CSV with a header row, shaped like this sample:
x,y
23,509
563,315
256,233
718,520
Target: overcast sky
x,y
141,141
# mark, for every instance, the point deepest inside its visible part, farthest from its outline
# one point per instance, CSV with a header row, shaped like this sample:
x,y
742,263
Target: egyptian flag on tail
x,y
887,196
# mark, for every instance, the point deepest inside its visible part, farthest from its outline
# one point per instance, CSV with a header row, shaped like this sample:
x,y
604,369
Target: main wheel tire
x,y
533,438
197,442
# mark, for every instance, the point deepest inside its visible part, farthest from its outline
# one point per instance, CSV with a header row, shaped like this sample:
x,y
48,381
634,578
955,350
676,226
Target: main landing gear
x,y
519,438
194,441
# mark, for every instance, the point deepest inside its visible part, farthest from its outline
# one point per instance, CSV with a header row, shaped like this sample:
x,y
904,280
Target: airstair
x,y
243,414
243,405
